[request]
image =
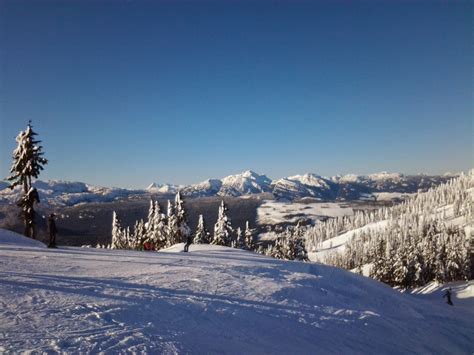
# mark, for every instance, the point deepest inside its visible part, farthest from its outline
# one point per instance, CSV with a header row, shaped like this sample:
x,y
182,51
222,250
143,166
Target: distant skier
x,y
189,240
52,231
448,296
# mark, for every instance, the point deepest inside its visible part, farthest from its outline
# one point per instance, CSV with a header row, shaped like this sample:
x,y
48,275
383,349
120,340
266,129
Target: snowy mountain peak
x,y
244,183
209,187
152,186
248,174
385,176
163,188
309,179
349,178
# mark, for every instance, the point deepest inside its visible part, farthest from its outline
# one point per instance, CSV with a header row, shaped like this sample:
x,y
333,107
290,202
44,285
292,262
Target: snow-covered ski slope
x,y
213,300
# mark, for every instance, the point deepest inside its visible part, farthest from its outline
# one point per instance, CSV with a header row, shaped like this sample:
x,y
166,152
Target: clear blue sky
x,y
124,93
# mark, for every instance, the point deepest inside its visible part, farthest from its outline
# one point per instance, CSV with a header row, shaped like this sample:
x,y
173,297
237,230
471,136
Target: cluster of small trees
x,y
429,251
415,244
289,245
162,230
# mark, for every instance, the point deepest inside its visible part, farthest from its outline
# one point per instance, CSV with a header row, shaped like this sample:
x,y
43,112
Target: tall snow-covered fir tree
x,y
183,229
172,227
202,236
296,249
249,241
28,161
139,235
158,234
117,233
223,228
149,222
239,241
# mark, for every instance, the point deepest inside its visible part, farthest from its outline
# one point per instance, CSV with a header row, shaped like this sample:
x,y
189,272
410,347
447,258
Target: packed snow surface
x,y
213,300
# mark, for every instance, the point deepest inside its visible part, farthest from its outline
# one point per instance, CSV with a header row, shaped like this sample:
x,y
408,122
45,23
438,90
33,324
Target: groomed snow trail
x,y
211,300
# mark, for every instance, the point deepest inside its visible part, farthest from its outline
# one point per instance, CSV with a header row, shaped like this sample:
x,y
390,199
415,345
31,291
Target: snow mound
x,y
11,238
211,300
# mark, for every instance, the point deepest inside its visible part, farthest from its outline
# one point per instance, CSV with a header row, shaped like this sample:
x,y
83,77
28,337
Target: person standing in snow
x,y
52,231
448,296
189,240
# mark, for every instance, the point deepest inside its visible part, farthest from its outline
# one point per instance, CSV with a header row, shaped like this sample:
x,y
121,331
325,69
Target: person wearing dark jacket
x,y
52,231
448,296
189,240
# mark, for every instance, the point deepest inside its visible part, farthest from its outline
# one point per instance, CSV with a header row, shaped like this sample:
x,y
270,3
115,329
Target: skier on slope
x,y
448,296
52,231
189,240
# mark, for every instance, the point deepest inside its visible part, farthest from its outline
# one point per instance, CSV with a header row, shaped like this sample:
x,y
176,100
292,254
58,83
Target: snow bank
x,y
12,238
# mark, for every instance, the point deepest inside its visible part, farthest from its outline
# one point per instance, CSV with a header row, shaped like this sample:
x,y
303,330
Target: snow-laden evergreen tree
x,y
296,249
157,237
172,230
249,239
139,235
149,221
278,249
223,228
202,236
183,229
239,241
28,161
118,241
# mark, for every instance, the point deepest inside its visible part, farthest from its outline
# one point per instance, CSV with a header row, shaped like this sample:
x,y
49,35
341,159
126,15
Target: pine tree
x,y
28,162
158,235
223,228
117,233
140,235
149,222
202,236
240,239
183,229
295,244
172,228
249,242
278,249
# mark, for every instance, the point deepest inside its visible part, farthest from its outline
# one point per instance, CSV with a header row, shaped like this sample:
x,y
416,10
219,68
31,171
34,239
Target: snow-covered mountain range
x,y
340,188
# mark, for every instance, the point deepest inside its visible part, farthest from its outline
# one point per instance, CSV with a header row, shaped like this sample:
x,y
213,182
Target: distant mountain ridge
x,y
309,185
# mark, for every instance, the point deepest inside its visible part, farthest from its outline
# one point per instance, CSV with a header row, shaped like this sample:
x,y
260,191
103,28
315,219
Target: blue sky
x,y
124,93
